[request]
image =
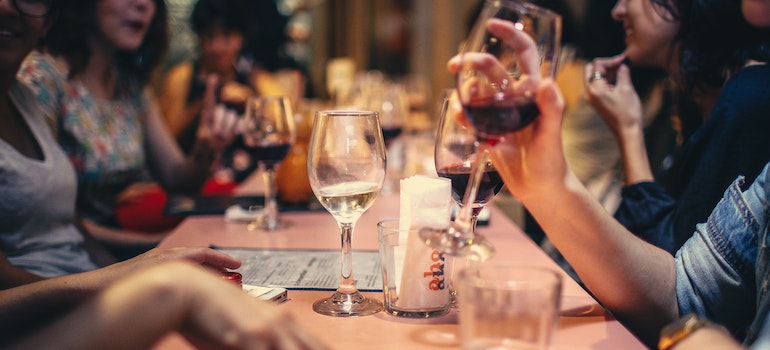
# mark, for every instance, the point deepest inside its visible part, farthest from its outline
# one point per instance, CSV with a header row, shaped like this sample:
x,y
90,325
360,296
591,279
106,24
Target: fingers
x,y
551,104
603,70
216,259
201,255
522,44
225,122
209,96
624,76
487,64
453,65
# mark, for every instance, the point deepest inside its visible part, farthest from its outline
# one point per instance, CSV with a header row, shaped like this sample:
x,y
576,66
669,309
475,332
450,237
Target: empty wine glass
x,y
496,85
268,133
346,169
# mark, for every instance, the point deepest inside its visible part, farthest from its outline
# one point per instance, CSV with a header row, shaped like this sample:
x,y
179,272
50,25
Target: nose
x,y
144,4
619,10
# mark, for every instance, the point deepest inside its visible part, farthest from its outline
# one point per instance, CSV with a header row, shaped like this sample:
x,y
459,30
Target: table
x,y
583,324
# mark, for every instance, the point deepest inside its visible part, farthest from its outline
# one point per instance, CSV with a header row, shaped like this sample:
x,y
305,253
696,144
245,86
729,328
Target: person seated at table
x,y
139,308
720,104
221,27
719,273
91,79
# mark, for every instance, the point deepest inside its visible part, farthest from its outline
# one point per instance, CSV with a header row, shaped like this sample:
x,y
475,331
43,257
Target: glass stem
x,y
347,284
466,220
271,206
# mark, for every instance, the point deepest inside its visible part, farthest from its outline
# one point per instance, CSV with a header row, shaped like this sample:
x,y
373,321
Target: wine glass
x,y
392,103
496,85
268,133
456,151
346,169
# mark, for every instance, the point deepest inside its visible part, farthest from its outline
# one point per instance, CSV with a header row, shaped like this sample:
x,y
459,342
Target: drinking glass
x,y
496,85
456,152
346,169
268,133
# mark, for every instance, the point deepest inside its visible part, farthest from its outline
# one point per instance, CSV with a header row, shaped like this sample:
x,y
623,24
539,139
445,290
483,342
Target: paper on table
x,y
425,202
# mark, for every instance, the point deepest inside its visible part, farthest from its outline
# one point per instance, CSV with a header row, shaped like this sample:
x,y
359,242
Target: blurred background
x,y
400,38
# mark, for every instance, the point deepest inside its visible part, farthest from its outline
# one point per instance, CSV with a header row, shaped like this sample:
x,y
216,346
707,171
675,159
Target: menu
x,y
305,269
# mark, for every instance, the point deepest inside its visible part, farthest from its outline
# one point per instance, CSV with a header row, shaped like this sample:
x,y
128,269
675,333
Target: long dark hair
x,y
77,20
715,42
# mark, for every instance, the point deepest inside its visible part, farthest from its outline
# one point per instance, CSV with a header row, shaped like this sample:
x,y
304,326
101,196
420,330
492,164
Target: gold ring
x,y
596,75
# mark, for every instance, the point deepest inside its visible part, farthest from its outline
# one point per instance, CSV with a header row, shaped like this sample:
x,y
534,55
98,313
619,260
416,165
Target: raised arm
x,y
610,92
632,278
174,170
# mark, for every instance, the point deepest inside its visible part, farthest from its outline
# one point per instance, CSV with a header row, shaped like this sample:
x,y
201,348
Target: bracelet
x,y
675,332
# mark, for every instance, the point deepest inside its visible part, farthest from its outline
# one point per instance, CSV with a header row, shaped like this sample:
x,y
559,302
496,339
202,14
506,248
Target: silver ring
x,y
596,75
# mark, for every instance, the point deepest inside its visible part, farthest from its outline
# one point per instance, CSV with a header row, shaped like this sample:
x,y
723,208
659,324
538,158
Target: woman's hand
x,y
610,92
620,107
218,125
532,160
209,258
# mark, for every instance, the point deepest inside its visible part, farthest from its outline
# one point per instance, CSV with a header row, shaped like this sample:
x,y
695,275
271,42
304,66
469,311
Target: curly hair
x,y
68,38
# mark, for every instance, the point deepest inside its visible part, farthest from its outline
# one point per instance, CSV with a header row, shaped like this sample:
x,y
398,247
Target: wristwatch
x,y
675,332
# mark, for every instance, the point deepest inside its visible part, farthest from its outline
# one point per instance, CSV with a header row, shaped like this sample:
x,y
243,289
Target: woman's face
x,y
219,48
18,35
124,23
649,37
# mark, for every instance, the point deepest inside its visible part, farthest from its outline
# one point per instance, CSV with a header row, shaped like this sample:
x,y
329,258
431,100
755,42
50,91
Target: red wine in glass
x,y
491,183
389,133
269,155
491,122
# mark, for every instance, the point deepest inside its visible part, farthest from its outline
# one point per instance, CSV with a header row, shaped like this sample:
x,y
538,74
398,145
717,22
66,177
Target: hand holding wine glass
x,y
346,169
511,49
268,133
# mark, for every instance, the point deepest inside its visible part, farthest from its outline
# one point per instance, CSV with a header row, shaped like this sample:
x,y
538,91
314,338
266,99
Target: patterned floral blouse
x,y
104,138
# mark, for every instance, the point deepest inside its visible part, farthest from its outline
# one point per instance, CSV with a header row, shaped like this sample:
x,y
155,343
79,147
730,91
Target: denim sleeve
x,y
715,269
647,210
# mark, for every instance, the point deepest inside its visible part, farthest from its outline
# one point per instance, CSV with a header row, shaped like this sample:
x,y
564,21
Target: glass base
x,y
417,314
263,224
347,305
449,241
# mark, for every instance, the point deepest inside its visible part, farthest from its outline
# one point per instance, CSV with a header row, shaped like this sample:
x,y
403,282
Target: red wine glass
x,y
511,48
269,133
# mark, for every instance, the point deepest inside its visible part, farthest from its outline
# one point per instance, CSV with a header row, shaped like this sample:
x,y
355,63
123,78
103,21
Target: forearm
x,y
23,309
630,277
131,315
636,164
175,171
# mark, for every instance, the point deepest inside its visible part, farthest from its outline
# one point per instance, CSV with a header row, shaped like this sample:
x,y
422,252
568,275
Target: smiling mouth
x,y
136,25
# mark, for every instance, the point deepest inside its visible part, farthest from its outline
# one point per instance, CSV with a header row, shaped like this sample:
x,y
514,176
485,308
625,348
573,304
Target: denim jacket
x,y
723,270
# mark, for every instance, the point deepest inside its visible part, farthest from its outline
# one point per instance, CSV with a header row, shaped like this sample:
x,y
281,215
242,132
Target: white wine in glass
x,y
346,169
